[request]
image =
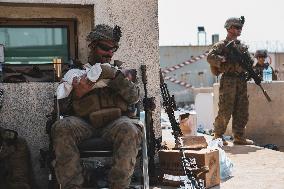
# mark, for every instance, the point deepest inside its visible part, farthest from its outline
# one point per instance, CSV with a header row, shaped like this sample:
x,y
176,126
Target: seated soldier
x,y
101,112
261,56
14,161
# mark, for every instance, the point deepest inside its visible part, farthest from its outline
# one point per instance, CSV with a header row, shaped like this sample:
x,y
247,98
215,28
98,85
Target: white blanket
x,y
93,73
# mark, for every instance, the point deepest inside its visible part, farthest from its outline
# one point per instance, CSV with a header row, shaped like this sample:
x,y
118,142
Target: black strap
x,y
1,97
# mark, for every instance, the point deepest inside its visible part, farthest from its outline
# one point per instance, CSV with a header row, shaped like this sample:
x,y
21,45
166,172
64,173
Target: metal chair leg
x,y
145,161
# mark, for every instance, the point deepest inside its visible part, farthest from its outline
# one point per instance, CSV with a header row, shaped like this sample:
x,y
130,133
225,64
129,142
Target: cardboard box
x,y
170,164
194,142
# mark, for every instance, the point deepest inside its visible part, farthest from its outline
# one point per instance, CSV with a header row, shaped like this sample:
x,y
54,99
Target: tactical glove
x,y
108,72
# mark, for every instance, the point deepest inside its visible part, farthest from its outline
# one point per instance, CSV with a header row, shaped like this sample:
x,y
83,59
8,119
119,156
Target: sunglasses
x,y
105,47
238,27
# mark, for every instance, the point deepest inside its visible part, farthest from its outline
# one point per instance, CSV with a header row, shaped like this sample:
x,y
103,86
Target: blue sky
x,y
264,26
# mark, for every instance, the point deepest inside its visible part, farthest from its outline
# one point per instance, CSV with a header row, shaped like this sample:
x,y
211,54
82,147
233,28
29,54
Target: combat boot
x,y
241,140
225,143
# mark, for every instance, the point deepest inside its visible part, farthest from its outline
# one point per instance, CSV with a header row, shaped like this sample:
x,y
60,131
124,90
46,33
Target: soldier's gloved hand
x,y
108,72
257,80
82,85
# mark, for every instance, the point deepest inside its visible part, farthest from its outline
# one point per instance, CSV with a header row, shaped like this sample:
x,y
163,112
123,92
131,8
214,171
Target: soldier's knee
x,y
60,128
131,133
131,129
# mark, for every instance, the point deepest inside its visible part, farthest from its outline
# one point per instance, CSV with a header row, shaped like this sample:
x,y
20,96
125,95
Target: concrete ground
x,y
254,167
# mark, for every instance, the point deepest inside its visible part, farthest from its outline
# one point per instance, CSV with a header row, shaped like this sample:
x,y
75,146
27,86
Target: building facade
x,y
196,73
37,32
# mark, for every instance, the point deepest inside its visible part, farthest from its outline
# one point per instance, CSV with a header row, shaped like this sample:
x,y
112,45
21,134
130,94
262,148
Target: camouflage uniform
x,y
15,165
258,68
123,132
233,99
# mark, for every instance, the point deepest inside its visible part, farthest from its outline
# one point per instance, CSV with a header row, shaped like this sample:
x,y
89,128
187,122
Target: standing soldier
x,y
261,55
233,99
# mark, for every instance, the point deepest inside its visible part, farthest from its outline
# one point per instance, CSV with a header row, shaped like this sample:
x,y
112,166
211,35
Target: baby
x,y
92,72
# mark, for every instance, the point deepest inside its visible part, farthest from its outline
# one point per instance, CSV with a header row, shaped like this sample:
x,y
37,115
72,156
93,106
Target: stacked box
x,y
170,163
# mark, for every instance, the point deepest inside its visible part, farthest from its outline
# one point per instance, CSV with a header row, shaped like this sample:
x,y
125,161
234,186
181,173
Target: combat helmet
x,y
104,32
261,52
234,22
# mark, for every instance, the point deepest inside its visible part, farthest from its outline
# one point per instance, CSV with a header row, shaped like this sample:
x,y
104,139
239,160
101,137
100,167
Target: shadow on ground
x,y
241,149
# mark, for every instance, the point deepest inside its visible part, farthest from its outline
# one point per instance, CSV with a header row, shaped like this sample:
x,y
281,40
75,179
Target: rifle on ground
x,y
188,164
153,144
169,105
246,63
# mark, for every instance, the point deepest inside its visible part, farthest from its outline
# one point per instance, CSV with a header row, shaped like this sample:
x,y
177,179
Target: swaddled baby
x,y
93,73
89,106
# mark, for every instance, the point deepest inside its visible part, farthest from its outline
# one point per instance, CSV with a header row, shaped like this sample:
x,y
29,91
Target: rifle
x,y
1,98
153,144
188,164
246,63
169,105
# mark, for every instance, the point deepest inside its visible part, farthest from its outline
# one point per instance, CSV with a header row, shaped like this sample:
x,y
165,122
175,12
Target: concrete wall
x,y
24,109
278,63
26,104
266,119
173,55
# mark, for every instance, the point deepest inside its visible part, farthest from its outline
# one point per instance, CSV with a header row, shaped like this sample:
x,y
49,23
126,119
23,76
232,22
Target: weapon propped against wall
x,y
153,144
246,63
188,164
1,98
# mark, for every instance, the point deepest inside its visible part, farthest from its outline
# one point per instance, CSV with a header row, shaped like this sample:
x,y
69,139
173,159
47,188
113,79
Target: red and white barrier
x,y
178,82
190,61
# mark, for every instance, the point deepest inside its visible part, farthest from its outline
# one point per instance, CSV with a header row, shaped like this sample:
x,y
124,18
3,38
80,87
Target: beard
x,y
93,59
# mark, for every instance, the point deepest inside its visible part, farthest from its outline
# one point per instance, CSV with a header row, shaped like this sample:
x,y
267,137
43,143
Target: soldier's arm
x,y
215,57
274,76
128,90
82,86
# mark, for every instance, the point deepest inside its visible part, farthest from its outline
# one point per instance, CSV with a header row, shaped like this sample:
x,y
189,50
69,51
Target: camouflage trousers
x,y
125,135
15,166
233,101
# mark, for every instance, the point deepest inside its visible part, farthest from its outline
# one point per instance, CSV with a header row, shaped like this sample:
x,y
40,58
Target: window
x,y
38,41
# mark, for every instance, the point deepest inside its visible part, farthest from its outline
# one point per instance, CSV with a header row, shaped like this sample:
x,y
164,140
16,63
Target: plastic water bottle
x,y
267,74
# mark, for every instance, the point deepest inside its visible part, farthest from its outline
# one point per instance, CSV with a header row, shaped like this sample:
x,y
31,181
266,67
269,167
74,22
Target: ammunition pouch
x,y
100,107
103,117
84,106
96,100
243,76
